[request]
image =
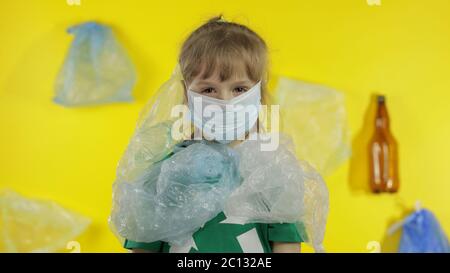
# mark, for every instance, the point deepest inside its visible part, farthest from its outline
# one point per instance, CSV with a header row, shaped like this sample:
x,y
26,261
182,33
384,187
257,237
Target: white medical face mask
x,y
225,120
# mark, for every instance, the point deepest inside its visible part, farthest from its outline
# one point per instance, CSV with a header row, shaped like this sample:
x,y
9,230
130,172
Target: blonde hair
x,y
220,46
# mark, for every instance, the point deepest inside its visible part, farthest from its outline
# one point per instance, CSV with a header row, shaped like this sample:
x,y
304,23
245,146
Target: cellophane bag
x,y
29,225
97,69
314,116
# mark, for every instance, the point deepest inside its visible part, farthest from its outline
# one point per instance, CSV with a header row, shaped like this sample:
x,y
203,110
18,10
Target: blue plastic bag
x,y
96,70
423,234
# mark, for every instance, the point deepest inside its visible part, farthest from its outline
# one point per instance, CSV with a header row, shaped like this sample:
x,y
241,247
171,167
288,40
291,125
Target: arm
x,y
284,238
278,247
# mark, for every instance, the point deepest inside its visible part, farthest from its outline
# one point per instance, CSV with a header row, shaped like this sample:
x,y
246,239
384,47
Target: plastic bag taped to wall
x,y
423,234
96,70
315,117
28,225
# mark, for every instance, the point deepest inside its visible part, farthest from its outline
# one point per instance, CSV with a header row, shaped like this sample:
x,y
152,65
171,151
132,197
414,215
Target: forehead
x,y
236,71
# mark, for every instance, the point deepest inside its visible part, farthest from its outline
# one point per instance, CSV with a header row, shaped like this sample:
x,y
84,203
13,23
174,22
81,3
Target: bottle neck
x,y
382,116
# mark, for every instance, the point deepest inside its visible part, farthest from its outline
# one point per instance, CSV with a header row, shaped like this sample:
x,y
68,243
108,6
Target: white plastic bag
x,y
36,226
314,116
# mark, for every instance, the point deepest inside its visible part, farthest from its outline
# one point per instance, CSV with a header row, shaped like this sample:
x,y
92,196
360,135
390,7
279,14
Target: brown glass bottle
x,y
383,153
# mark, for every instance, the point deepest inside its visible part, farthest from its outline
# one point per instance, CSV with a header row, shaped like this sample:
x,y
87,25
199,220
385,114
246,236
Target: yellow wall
x,y
401,48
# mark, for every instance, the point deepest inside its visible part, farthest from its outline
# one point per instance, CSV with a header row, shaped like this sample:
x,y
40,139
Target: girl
x,y
222,62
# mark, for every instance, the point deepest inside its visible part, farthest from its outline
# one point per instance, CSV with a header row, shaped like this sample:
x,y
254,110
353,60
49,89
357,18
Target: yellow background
x,y
401,48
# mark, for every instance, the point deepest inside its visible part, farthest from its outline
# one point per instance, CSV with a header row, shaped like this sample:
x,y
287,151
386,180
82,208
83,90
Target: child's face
x,y
224,90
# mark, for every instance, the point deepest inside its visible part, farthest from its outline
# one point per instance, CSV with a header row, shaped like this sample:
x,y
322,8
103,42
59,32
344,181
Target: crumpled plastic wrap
x,y
175,197
36,226
151,142
423,234
163,189
159,107
278,188
152,139
315,117
96,70
148,145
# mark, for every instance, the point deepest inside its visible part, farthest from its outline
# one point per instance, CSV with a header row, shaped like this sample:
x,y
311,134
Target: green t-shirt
x,y
221,236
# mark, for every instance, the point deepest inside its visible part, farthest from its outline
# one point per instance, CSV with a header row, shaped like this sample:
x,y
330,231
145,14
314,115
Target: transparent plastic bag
x,y
423,234
315,117
36,226
148,145
175,197
96,70
152,140
159,107
278,188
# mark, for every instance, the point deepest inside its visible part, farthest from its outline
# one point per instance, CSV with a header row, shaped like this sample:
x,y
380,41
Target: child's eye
x,y
208,90
240,89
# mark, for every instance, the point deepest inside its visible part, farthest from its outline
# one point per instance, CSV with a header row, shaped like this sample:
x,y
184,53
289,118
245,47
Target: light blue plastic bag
x,y
423,234
174,197
96,70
